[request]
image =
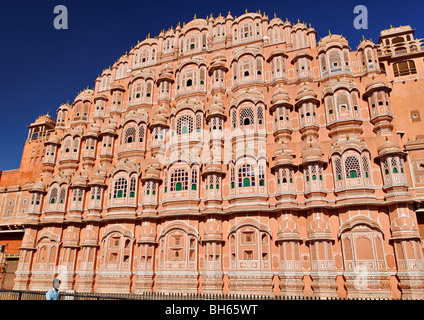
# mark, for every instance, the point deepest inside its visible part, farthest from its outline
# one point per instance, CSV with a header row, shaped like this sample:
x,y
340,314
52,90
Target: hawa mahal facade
x,y
234,155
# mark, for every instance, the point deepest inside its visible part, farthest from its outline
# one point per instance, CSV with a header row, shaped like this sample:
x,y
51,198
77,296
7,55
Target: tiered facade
x,y
230,155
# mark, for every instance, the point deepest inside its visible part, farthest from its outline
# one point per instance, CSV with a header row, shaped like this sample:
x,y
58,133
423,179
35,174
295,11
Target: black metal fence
x,y
39,295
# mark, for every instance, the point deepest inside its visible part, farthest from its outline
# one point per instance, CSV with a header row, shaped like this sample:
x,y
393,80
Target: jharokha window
x,y
179,180
246,176
246,117
130,135
404,68
184,124
120,190
246,31
353,168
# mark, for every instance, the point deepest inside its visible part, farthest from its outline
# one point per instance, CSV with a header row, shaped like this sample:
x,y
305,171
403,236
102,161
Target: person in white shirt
x,y
53,293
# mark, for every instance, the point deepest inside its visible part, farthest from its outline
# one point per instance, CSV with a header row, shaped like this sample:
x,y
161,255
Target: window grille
x,y
260,112
53,195
198,122
179,180
233,118
246,176
246,31
352,167
233,178
246,117
62,195
261,176
120,190
394,164
194,179
366,166
130,135
132,187
37,199
184,124
385,164
141,132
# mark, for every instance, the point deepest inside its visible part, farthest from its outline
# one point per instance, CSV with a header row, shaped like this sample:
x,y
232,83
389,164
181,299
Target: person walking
x,y
53,293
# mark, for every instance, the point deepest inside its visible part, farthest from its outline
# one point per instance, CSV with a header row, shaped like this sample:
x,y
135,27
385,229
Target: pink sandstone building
x,y
234,155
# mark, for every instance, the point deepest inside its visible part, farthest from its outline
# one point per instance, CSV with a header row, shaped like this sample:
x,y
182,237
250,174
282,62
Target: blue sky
x,y
43,67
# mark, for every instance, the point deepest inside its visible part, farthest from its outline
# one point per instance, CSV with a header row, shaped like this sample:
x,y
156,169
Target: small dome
x,y
319,228
212,168
366,43
288,229
93,130
216,108
81,179
110,127
45,119
98,179
305,92
389,147
212,227
147,233
402,224
213,230
40,186
311,152
283,156
151,174
53,139
376,84
159,120
219,56
152,171
280,97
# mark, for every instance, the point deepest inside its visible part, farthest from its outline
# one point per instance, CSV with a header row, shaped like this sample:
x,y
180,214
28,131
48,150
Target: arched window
x,y
233,118
130,135
246,117
260,113
132,187
194,179
192,43
335,60
185,124
137,90
62,196
53,196
232,177
120,190
198,122
141,132
246,176
179,180
394,165
149,89
338,169
366,166
246,31
261,176
352,167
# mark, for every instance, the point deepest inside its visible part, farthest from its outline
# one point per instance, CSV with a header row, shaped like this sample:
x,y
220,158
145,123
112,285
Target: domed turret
x,y
312,152
283,156
319,229
213,231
